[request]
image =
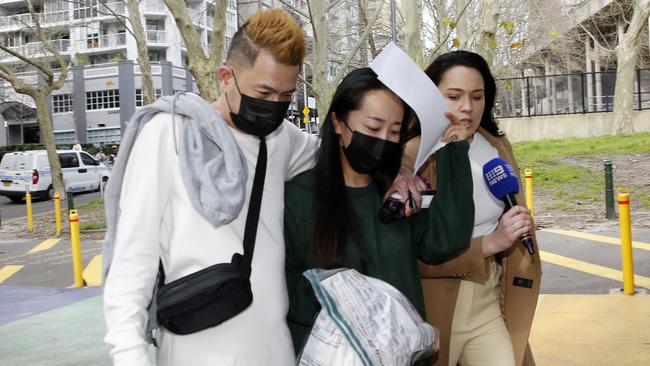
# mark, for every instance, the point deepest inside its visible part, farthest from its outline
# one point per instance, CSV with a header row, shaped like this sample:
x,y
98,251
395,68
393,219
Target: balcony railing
x,y
26,20
154,6
104,41
109,9
156,36
37,49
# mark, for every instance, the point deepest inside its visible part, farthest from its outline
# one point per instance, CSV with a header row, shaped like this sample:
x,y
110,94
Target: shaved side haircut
x,y
272,30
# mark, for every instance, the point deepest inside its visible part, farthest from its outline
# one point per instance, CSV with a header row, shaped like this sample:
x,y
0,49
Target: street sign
x,y
305,111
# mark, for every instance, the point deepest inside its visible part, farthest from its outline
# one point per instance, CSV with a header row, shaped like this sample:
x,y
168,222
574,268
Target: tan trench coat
x,y
441,282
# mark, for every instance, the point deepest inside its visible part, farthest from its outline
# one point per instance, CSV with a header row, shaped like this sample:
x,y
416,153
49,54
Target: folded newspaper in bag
x,y
364,321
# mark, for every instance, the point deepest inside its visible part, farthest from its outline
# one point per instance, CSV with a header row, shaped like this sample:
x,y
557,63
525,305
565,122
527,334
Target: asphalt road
x,y
570,265
10,210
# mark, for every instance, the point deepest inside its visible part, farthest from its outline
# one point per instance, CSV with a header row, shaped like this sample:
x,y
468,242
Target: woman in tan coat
x,y
482,301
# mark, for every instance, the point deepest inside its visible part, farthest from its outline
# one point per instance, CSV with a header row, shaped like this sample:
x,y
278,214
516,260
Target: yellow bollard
x,y
529,189
57,212
76,249
626,242
28,204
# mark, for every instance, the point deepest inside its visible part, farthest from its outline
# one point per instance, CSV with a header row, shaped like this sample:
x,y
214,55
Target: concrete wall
x,y
566,126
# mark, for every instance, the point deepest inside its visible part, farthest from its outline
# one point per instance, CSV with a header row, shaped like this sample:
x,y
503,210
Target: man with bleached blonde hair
x,y
179,205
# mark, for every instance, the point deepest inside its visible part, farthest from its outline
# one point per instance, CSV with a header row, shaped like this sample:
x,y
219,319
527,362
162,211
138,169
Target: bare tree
x,y
627,53
132,23
413,24
137,30
489,20
323,83
445,21
203,67
40,92
613,32
364,24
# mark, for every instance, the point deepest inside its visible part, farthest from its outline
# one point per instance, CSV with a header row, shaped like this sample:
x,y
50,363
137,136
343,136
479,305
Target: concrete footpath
x,y
588,330
569,330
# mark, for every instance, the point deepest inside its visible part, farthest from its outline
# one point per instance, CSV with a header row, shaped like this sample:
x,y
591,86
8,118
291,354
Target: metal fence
x,y
566,94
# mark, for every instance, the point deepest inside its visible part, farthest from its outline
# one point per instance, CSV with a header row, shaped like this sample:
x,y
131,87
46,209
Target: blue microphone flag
x,y
500,178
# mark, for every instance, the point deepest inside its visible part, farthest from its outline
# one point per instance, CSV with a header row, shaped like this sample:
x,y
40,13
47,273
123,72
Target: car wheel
x,y
16,199
49,193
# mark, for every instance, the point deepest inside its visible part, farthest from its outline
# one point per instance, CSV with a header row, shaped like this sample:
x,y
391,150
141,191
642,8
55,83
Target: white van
x,y
20,171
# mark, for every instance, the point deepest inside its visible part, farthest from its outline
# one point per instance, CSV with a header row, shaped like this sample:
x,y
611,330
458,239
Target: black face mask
x,y
366,153
257,116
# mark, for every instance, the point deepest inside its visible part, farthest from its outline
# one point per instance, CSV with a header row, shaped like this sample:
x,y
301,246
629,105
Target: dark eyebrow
x,y
461,90
270,89
378,119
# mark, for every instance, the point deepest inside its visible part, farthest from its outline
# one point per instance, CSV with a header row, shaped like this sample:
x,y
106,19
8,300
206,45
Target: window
x,y
158,55
139,100
11,39
104,135
85,9
65,137
69,160
62,103
103,99
92,40
87,159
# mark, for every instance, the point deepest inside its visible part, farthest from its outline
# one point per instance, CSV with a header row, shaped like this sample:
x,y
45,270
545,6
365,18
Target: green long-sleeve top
x,y
389,252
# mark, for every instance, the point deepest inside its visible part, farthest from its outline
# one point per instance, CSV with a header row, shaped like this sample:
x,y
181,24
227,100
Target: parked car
x,y
23,170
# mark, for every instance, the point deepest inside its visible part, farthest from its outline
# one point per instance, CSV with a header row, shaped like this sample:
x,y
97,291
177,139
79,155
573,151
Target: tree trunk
x,y
47,134
39,93
320,83
627,52
489,19
143,50
202,67
413,20
217,43
624,94
364,24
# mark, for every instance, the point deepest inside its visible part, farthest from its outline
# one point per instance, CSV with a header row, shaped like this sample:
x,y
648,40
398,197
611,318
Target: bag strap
x,y
252,219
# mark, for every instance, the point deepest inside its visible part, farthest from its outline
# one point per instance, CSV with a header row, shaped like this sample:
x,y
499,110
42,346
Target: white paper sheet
x,y
405,78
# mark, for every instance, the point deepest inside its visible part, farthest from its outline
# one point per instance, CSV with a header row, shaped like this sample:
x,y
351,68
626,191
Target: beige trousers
x,y
479,336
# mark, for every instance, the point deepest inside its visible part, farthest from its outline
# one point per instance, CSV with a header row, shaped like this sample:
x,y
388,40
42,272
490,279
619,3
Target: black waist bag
x,y
205,298
215,294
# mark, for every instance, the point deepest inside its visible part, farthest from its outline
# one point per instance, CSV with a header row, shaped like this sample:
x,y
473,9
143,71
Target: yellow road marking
x,y
8,271
599,238
594,269
93,272
45,245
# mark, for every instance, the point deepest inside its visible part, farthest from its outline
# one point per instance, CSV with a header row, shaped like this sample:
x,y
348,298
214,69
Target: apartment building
x,y
103,88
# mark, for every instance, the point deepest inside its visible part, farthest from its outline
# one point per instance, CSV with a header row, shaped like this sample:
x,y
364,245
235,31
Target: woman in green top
x,y
331,211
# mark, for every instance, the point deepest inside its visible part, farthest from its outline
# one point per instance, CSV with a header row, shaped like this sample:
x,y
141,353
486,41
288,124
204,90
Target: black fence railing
x,y
566,94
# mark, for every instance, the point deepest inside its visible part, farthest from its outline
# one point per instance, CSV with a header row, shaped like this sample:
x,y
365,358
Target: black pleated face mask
x,y
258,117
367,153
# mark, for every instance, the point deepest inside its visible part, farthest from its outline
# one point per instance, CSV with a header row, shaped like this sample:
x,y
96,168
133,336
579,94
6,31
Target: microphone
x,y
504,184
